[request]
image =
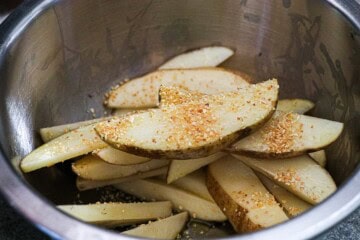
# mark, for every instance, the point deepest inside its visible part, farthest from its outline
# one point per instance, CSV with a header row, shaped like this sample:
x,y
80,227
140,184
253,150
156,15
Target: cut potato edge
x,y
242,196
154,189
167,228
86,184
288,135
203,57
118,214
92,168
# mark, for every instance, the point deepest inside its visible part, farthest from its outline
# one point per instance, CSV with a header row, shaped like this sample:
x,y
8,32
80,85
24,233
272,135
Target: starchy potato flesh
x,y
69,145
83,184
143,91
203,57
49,133
292,204
117,214
195,183
319,157
154,189
92,168
295,105
242,197
300,175
114,156
124,111
195,129
287,135
180,168
167,228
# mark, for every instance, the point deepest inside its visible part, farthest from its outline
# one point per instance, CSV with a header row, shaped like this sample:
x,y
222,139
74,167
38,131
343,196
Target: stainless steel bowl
x,y
59,57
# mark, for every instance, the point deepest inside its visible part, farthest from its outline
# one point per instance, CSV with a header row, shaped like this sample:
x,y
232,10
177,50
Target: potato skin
x,y
235,213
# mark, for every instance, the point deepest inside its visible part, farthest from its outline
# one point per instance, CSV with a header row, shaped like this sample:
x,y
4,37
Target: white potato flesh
x,y
124,111
69,145
289,134
83,184
319,157
203,57
92,168
143,91
194,129
167,228
296,105
154,189
117,214
195,183
117,157
242,196
181,168
300,175
292,204
49,133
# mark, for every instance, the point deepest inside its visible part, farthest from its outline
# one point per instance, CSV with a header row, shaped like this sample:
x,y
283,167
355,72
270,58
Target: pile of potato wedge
x,y
195,141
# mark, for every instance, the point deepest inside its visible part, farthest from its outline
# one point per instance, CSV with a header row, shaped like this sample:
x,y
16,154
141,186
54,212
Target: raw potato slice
x,y
319,157
300,175
203,57
114,156
182,200
195,183
292,204
72,144
242,197
49,133
117,214
143,91
195,129
85,184
180,168
167,228
296,105
92,168
288,135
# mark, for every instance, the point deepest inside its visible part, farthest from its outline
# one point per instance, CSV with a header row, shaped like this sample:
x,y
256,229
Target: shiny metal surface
x,y
57,58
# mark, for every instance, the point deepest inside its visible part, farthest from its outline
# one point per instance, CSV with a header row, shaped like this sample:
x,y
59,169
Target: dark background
x,y
13,226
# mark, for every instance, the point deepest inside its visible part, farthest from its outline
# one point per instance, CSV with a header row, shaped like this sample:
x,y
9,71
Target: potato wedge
x,y
93,168
117,214
300,175
180,168
203,57
195,183
242,197
49,133
296,105
319,157
288,135
182,200
143,91
195,129
167,228
117,157
83,184
292,204
69,145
